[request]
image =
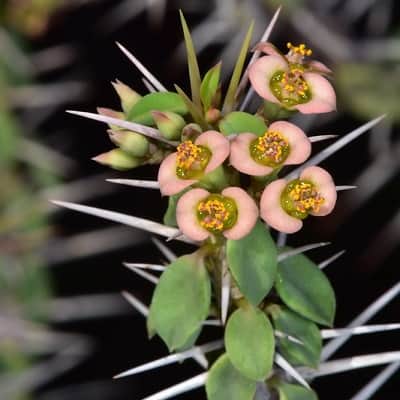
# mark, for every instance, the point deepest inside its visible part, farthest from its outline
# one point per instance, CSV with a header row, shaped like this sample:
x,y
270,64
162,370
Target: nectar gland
x,y
271,149
300,198
191,160
217,213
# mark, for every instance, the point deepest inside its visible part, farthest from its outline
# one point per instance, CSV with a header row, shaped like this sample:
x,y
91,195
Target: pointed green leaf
x,y
194,111
194,72
181,301
305,289
238,122
224,382
295,392
253,261
209,86
286,321
160,101
249,342
237,72
170,215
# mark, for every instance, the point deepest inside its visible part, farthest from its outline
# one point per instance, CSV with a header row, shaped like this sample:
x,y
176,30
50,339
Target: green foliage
x,y
253,261
295,392
224,382
161,101
292,324
249,342
209,86
181,301
239,121
230,97
194,72
305,289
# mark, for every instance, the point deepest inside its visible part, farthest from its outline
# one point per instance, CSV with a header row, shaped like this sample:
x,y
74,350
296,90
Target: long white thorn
x,y
359,330
212,322
225,291
165,250
331,259
172,358
137,304
182,387
279,360
136,183
331,347
136,222
132,126
352,363
283,335
370,389
319,138
147,74
152,267
255,56
175,236
300,250
149,86
145,275
334,147
345,187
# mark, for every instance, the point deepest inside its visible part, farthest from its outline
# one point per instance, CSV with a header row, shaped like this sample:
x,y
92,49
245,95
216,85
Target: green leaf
x,y
253,261
160,101
194,72
239,121
249,342
295,392
237,72
194,111
170,215
306,331
181,301
224,382
305,289
209,86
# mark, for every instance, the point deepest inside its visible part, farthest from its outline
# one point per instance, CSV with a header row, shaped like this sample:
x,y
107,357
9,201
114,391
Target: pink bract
x,y
186,214
326,187
171,184
271,210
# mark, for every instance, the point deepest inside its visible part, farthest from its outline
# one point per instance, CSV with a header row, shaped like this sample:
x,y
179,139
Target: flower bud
x,y
118,159
213,115
169,124
191,132
131,142
128,96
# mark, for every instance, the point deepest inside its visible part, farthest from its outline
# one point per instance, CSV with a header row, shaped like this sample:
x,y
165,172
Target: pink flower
x,y
284,205
290,81
200,214
283,144
192,161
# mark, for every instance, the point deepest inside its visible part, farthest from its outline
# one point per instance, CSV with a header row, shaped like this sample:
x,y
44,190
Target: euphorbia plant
x,y
224,171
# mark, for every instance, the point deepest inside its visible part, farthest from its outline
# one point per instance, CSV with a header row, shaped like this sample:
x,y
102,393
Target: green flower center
x,y
300,197
191,160
289,87
216,213
271,149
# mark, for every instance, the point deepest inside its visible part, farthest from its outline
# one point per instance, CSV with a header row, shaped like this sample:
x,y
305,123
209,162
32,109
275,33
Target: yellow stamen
x,y
301,49
306,198
215,214
187,155
271,146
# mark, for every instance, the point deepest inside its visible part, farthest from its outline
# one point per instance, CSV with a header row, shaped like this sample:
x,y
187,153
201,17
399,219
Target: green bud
x,y
108,112
169,124
213,115
191,132
118,159
133,143
127,96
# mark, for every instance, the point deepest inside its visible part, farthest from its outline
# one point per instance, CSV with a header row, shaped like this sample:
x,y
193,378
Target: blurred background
x,y
65,330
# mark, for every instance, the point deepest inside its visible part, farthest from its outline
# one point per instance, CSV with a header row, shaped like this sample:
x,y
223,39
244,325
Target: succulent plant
x,y
220,167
